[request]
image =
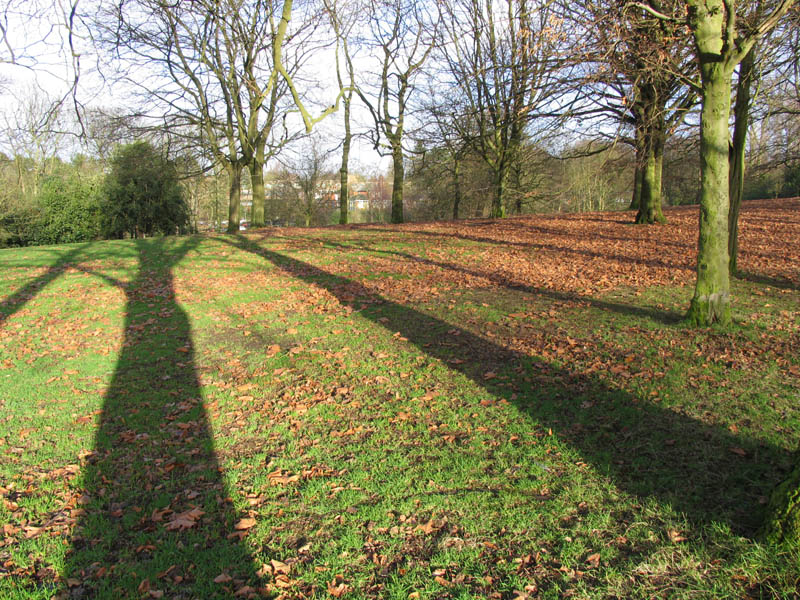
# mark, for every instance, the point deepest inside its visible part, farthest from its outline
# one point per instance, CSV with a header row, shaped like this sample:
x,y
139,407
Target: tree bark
x,y
234,197
397,184
456,187
638,172
636,197
498,210
343,171
517,178
259,192
650,192
741,117
783,512
711,301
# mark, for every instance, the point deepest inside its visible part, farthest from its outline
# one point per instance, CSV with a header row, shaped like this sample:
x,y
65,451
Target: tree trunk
x,y
711,301
397,184
516,172
650,198
498,210
783,512
638,171
343,171
456,187
636,198
259,193
741,115
234,197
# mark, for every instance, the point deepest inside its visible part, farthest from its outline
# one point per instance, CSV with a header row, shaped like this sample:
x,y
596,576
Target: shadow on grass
x,y
660,316
155,515
645,450
13,303
780,283
565,249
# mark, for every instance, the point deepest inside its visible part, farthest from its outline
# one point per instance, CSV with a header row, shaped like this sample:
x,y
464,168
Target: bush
x,y
71,210
143,194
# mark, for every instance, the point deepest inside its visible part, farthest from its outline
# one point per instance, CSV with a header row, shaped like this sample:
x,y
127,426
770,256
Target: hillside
x,y
478,409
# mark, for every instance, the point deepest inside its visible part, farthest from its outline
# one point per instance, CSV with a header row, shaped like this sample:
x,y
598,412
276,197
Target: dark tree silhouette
x,y
154,495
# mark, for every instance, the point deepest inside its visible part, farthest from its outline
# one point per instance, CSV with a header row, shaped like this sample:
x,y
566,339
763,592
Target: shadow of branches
x,y
644,449
156,514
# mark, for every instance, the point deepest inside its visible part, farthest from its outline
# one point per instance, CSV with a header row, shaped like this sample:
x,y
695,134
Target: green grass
x,y
373,425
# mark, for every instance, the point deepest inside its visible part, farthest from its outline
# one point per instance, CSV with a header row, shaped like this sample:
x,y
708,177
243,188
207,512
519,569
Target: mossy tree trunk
x,y
498,210
397,183
720,47
741,117
650,193
783,512
636,197
638,165
516,178
259,192
649,112
711,301
234,196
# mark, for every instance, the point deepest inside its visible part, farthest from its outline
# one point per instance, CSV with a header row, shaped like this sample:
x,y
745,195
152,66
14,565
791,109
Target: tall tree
x,y
736,157
222,66
443,134
638,72
343,22
502,61
403,35
720,46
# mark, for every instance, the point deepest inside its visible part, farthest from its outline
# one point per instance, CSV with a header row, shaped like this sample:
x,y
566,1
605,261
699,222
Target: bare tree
x,y
344,21
227,68
637,77
503,60
35,132
721,44
403,34
442,132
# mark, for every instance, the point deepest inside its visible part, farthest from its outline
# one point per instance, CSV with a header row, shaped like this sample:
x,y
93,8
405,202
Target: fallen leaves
x,y
337,587
185,520
282,477
675,536
245,523
431,526
265,407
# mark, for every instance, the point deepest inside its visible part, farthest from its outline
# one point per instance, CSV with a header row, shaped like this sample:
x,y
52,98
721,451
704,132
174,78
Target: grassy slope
x,y
454,411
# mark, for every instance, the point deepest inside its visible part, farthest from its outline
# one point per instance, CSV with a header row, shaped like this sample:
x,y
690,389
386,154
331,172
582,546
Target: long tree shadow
x,y
14,302
661,316
155,515
646,450
566,249
776,282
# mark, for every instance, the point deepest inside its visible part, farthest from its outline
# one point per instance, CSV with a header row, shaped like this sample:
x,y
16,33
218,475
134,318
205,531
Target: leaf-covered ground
x,y
478,409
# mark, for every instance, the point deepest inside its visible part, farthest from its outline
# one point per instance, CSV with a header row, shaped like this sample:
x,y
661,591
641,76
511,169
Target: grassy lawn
x,y
476,409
